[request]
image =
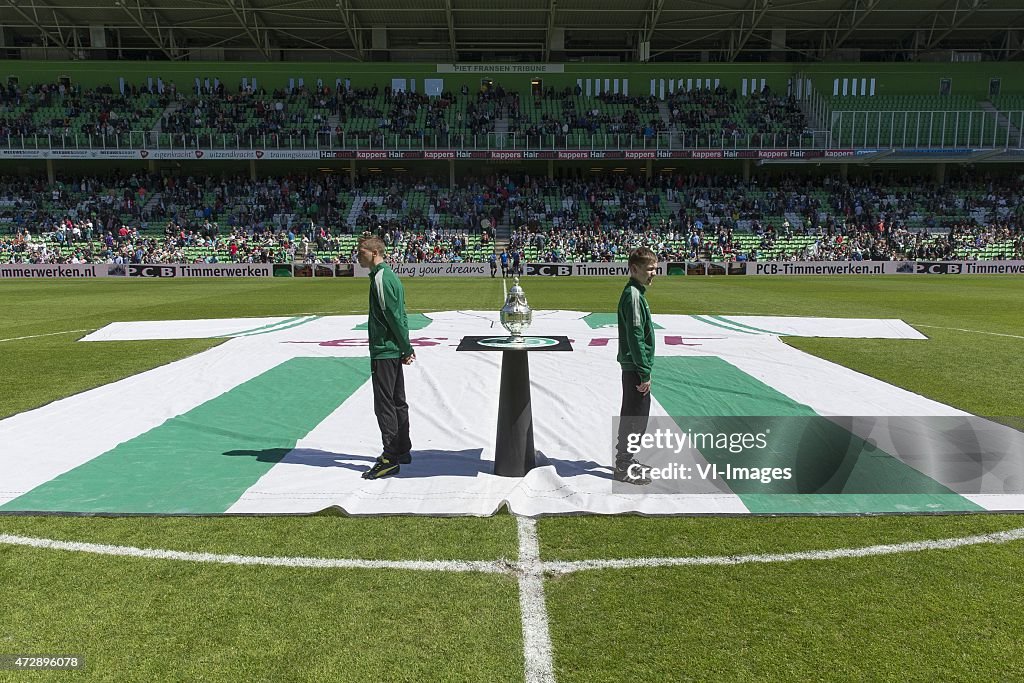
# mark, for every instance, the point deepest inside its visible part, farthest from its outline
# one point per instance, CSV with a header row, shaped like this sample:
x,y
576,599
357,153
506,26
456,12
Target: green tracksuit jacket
x,y
636,331
388,325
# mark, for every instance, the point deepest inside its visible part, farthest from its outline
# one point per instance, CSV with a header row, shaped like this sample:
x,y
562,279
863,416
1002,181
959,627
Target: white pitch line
x,y
529,555
533,610
959,329
838,553
48,334
305,562
537,650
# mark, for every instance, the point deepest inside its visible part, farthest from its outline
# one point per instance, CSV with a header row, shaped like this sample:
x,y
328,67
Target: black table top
x,y
533,343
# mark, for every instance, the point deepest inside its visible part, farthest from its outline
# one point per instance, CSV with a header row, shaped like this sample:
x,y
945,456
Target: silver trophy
x,y
516,314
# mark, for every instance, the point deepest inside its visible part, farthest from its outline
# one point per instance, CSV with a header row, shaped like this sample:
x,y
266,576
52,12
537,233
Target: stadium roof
x,y
520,30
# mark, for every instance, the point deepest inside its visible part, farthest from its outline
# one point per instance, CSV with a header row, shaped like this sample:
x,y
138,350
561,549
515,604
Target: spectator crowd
x,y
212,113
140,218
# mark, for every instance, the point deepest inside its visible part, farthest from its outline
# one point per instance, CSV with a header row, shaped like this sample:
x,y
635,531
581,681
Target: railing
x,y
861,129
945,129
927,129
385,141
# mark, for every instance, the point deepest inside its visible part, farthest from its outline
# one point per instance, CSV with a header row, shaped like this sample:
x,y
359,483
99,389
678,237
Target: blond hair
x,y
373,243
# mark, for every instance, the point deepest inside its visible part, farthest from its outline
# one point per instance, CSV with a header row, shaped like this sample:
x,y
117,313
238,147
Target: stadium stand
x,y
318,218
55,115
720,117
218,116
596,214
568,118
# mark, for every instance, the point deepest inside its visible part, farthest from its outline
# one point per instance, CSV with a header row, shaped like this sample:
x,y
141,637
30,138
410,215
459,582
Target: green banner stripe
x,y
597,321
280,327
714,323
204,460
743,325
417,321
833,470
263,327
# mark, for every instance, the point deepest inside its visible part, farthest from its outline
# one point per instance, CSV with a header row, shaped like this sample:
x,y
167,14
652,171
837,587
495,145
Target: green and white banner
x,y
279,419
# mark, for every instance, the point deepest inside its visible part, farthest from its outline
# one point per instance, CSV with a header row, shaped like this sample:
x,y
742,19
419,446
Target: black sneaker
x,y
631,472
405,458
382,468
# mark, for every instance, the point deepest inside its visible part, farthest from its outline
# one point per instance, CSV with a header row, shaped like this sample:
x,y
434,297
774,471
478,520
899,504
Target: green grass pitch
x,y
932,615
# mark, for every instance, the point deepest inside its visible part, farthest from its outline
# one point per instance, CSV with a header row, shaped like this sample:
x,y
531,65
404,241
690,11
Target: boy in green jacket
x,y
388,328
636,358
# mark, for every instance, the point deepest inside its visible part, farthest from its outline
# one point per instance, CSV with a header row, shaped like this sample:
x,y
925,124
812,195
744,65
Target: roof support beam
x,y
682,46
351,25
76,42
850,19
655,14
450,18
964,11
757,10
552,8
314,43
54,38
257,34
168,46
